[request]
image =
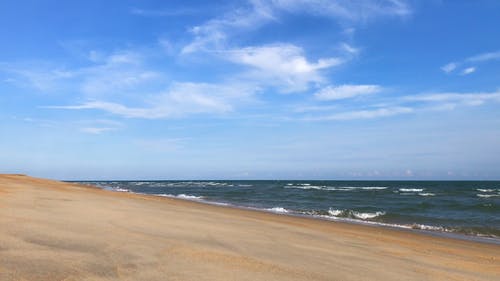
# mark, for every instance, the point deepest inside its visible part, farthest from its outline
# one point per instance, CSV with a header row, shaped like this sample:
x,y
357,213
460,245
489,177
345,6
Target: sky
x,y
257,89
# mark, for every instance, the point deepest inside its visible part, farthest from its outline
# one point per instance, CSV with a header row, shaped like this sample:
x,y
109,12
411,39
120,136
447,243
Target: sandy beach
x,y
52,230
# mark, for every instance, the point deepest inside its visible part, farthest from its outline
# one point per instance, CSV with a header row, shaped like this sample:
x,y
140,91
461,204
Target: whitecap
x,y
336,188
278,210
374,187
487,195
411,189
365,216
485,190
120,189
306,187
190,197
427,227
426,194
335,213
181,196
139,183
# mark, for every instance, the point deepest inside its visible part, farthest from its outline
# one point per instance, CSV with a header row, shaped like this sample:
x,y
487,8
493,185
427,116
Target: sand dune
x,y
51,230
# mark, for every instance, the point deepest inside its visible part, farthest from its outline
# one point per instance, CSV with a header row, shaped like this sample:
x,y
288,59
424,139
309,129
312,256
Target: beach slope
x,y
52,230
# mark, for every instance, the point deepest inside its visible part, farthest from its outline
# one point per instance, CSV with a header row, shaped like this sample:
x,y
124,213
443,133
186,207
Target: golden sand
x,y
51,230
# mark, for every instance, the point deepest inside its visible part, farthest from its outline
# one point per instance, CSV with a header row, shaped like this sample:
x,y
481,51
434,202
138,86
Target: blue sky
x,y
259,89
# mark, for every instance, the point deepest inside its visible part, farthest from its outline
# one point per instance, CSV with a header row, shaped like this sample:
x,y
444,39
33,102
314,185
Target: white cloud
x,y
449,67
479,58
110,74
484,57
162,13
38,75
364,114
346,91
468,70
349,49
346,10
181,99
212,34
281,64
452,100
452,96
431,102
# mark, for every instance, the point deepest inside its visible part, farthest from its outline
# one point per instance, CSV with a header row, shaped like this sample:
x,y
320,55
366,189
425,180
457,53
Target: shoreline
x,y
436,233
53,230
402,227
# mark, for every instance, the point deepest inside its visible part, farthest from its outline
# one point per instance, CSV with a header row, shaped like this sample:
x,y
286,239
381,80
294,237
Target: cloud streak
x,y
471,99
181,100
479,58
346,91
363,114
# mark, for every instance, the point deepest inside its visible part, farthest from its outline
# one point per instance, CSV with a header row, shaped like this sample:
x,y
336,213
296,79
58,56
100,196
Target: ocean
x,y
469,208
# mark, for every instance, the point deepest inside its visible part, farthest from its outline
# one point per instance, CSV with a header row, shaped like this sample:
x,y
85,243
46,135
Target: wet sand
x,y
52,230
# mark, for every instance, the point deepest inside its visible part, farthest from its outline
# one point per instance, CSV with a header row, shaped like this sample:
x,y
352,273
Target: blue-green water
x,y
465,207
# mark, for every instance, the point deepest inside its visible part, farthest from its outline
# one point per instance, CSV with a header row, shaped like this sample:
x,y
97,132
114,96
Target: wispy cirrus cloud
x,y
113,73
164,12
466,63
346,91
346,10
363,114
214,33
182,99
449,98
484,57
414,104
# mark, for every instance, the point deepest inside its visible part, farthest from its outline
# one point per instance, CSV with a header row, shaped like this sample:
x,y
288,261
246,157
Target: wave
x,y
354,214
411,189
189,183
139,183
278,210
335,188
488,195
182,196
365,216
335,213
426,194
428,227
485,190
306,187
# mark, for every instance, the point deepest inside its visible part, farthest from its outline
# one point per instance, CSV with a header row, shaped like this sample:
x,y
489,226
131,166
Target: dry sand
x,y
58,231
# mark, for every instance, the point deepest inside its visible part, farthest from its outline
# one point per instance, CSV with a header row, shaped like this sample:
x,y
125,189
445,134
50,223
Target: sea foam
x,y
354,214
426,194
488,195
278,210
411,189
